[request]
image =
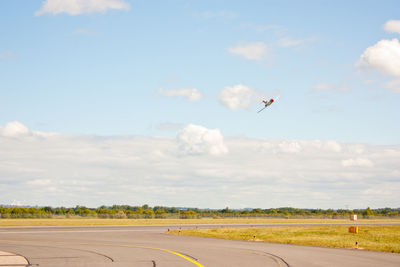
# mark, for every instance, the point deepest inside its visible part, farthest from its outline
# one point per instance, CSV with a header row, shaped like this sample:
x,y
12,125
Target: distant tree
x,y
104,212
189,214
226,210
47,209
257,211
367,213
160,213
245,212
130,214
335,215
139,210
393,213
173,210
286,213
83,211
69,212
148,214
120,214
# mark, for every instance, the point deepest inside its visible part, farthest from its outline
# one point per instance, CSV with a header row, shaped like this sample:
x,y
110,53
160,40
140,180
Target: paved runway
x,y
112,246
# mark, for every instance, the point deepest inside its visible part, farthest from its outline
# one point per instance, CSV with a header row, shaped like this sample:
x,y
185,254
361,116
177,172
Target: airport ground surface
x,y
111,246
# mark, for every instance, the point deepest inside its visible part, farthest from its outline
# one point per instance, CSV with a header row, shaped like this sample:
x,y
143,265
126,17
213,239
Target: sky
x,y
108,102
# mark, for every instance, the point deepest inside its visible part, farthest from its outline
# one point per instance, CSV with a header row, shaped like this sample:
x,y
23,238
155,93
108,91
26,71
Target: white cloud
x,y
14,129
39,182
195,139
77,7
192,94
332,146
293,146
326,146
251,51
357,162
290,147
238,96
384,56
356,148
392,26
60,169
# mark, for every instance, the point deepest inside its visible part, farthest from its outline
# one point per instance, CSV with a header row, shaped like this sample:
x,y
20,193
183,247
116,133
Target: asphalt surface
x,y
111,246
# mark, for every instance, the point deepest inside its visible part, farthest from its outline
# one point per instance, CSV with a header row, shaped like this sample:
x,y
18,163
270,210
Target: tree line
x,y
147,212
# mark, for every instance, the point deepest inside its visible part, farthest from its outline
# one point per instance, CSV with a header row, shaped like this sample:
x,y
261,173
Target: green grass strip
x,y
377,238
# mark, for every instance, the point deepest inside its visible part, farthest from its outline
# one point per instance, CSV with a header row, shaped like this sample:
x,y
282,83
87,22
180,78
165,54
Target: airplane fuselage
x,y
269,102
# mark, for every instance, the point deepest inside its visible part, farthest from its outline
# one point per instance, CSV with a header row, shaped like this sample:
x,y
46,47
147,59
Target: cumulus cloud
x,y
14,129
191,94
237,96
384,56
77,7
67,170
197,140
392,26
251,51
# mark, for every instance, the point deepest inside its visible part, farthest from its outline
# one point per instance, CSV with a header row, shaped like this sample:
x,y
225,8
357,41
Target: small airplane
x,y
266,103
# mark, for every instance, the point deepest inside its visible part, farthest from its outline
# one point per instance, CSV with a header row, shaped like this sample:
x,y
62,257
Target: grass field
x,y
378,238
95,221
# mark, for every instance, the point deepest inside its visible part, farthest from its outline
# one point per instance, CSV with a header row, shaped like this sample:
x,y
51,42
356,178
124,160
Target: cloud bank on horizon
x,y
162,105
199,168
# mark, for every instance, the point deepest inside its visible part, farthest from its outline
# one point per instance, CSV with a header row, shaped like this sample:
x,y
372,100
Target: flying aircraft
x,y
266,103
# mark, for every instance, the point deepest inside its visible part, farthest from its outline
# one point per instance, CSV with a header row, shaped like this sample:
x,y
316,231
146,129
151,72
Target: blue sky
x,y
120,69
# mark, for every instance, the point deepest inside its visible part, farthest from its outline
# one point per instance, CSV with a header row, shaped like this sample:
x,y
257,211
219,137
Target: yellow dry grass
x,y
378,238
